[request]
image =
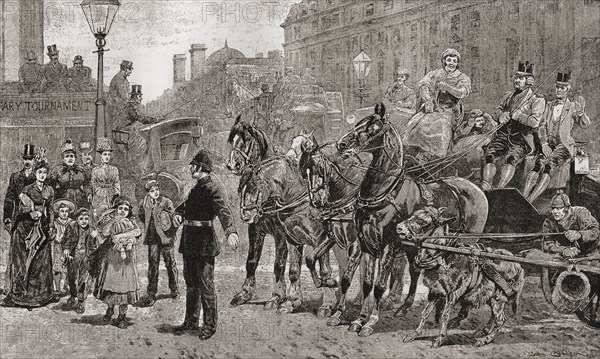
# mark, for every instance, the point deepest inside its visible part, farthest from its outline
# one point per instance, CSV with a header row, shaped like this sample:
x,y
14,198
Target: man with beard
x,y
520,112
54,74
16,183
400,94
558,145
70,181
429,131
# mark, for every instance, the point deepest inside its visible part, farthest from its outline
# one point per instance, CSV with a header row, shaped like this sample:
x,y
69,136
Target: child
x,y
63,208
118,279
79,243
156,212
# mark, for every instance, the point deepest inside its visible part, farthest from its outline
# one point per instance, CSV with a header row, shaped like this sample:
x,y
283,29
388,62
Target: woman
x,y
31,274
105,178
429,132
118,279
70,180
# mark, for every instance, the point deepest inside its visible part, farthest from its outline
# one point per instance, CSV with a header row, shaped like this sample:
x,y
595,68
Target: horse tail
x,y
518,286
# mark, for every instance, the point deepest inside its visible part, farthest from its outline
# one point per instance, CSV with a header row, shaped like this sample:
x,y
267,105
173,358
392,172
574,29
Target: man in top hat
x,y
118,95
69,180
520,113
581,232
16,183
400,94
87,157
54,74
555,134
80,77
199,244
30,74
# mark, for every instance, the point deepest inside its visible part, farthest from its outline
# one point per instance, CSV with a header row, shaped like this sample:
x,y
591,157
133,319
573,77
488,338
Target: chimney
x,y
179,68
197,59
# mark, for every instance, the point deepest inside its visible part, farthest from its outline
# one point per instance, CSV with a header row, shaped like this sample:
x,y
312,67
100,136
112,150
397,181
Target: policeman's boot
x,y
531,180
506,174
489,171
540,188
192,311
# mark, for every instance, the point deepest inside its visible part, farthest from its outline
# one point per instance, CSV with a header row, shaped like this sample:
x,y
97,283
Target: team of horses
x,y
353,197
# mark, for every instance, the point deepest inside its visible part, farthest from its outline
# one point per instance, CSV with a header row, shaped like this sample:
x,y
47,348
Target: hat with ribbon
x,y
103,144
63,202
68,146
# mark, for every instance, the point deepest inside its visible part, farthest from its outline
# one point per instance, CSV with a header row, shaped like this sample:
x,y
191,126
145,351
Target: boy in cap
x,y
156,212
199,244
80,241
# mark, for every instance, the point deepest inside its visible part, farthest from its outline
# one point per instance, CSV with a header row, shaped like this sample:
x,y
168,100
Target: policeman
x,y
199,244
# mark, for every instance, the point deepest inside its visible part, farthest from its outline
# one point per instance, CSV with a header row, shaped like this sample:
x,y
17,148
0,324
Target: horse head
x,y
249,146
366,132
304,142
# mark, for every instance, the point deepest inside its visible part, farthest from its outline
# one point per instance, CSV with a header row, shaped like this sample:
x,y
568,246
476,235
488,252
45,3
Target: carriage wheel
x,y
590,314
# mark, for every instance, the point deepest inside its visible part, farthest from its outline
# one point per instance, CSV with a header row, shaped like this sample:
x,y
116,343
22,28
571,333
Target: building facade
x,y
492,37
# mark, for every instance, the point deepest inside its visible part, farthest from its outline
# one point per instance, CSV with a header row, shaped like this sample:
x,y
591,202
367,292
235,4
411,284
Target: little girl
x,y
118,279
62,209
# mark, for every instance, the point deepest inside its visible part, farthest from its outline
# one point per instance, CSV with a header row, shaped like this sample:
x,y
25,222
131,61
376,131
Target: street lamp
x,y
362,65
100,15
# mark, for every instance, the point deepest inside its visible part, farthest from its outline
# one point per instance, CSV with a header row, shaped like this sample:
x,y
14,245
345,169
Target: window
x,y
455,22
174,146
369,9
475,19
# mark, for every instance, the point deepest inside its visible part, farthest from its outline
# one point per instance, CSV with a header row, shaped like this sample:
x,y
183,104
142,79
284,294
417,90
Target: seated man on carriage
x,y
400,94
520,113
581,231
555,133
429,132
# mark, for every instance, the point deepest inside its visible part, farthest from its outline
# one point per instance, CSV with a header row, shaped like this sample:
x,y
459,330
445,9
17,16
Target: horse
x,y
333,183
387,196
455,278
251,147
277,191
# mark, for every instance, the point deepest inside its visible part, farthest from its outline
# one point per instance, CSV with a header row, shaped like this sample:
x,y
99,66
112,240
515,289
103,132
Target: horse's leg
x,y
324,280
362,272
414,273
499,318
462,314
328,290
256,240
354,259
281,254
396,282
429,307
451,299
294,296
367,285
381,284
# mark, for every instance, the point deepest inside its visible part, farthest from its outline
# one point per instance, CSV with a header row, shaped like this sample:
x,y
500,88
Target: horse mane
x,y
246,131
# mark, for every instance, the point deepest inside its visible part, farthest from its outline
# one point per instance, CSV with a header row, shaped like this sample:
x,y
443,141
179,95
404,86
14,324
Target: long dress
x,y
105,185
72,183
31,272
432,132
118,282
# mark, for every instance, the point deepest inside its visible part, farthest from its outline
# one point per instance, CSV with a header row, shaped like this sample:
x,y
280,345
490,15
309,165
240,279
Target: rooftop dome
x,y
223,55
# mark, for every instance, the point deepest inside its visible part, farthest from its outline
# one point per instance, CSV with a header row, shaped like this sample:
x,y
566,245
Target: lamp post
x,y
100,15
362,65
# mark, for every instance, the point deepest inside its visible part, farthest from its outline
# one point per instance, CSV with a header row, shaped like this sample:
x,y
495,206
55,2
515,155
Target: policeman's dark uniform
x,y
199,246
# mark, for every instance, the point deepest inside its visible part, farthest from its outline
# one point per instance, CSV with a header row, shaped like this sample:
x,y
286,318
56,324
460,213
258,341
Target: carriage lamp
x,y
362,65
100,15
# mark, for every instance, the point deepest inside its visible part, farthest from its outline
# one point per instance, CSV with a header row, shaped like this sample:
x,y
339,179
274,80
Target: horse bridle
x,y
244,154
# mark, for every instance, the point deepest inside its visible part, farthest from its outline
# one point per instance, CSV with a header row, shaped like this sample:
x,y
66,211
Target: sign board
x,y
334,100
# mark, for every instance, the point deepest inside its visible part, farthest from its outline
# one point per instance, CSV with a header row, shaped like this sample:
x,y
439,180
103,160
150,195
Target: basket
x,y
571,291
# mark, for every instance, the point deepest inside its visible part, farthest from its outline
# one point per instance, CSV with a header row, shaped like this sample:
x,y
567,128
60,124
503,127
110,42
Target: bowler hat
x,y
28,152
202,159
30,55
78,59
127,64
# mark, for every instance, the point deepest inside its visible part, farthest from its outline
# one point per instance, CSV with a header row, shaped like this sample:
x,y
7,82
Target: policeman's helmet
x,y
202,159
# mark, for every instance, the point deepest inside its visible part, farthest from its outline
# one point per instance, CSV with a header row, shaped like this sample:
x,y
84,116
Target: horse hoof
x,y
365,331
401,312
324,312
241,298
333,321
271,304
285,308
354,328
410,338
437,342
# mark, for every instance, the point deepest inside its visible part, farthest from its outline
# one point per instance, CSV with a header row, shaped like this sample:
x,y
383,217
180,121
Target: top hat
x,y
127,64
85,147
136,89
31,55
68,146
28,151
52,50
563,78
78,59
202,159
525,69
63,202
103,144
